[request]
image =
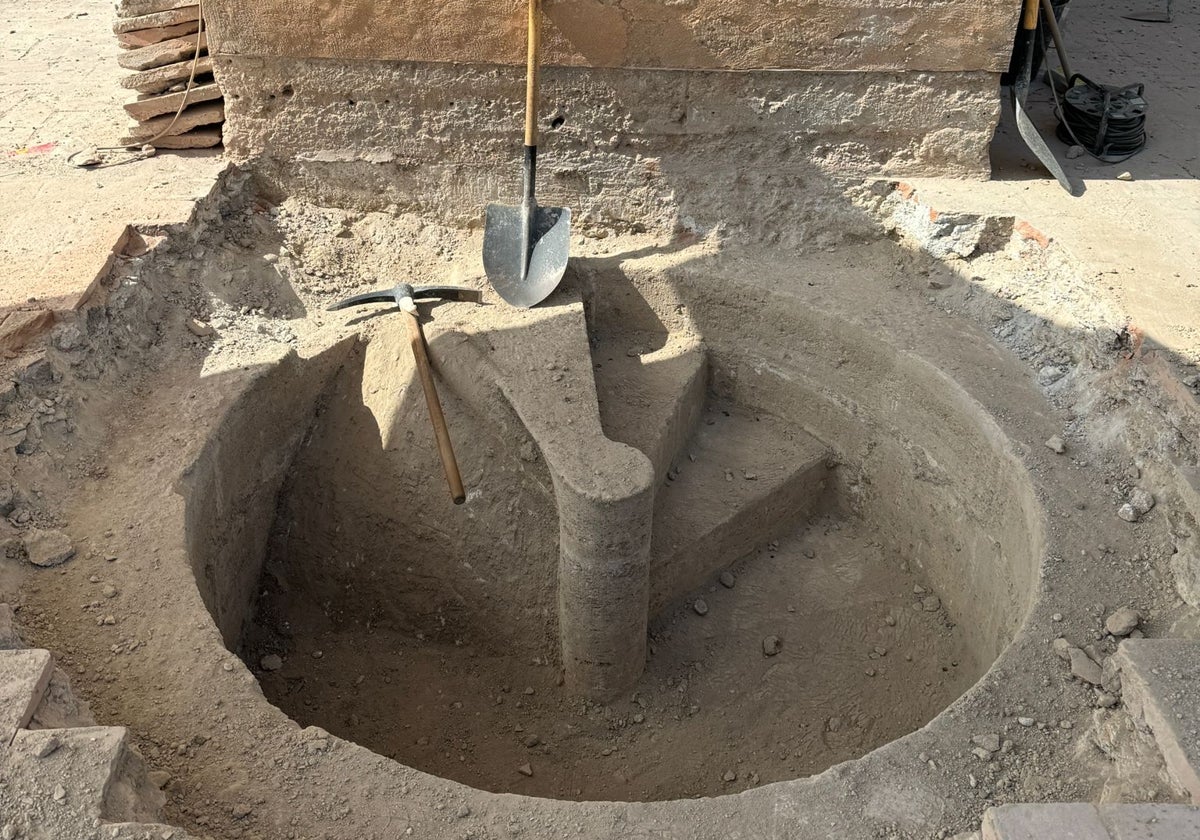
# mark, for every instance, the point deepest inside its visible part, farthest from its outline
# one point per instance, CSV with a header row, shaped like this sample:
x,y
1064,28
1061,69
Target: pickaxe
x,y
405,298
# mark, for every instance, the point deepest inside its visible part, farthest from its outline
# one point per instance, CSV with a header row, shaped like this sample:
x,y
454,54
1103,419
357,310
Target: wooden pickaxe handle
x,y
437,418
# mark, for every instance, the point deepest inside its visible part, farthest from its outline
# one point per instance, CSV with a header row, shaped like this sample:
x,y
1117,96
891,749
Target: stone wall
x,y
656,114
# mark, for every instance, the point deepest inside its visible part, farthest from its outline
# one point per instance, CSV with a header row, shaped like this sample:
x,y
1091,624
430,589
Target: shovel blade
x,y
1033,140
525,280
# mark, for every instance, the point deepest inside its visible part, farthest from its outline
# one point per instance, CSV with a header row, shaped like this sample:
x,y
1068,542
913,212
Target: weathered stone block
x,y
24,675
1160,683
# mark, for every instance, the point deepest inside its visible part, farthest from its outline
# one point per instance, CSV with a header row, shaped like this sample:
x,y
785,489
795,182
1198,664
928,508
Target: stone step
x,y
743,479
1160,685
1083,821
24,676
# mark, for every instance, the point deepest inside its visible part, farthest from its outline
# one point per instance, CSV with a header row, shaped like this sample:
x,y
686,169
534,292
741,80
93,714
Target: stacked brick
x,y
158,40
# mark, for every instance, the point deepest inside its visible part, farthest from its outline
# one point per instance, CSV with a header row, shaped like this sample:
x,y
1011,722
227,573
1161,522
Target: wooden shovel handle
x,y
440,431
531,72
1029,20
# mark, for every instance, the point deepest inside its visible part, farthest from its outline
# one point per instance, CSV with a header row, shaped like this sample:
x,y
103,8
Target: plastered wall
x,y
655,113
825,35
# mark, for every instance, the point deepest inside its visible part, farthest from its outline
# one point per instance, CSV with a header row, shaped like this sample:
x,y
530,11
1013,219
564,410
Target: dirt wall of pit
x,y
655,115
366,511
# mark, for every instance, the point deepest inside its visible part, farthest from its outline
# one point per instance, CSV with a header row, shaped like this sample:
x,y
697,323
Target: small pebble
x,y
727,579
1123,622
771,645
525,770
1125,176
700,606
1056,445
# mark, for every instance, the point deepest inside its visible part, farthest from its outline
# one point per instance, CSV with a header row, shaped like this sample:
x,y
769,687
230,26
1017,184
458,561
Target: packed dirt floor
x,y
690,729
833,677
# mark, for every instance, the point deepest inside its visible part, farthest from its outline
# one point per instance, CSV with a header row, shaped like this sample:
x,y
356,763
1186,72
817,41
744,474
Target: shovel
x,y
1020,90
525,248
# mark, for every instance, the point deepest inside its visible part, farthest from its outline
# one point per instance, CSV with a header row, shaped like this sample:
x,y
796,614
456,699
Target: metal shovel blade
x,y
526,279
1037,145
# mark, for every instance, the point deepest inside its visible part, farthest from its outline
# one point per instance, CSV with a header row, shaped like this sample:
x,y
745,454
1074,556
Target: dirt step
x,y
741,480
650,398
1082,821
1160,684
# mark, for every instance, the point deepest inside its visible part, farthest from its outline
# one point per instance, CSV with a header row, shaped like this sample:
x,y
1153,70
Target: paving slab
x,y
168,103
1084,821
164,52
193,116
1160,682
146,37
1151,822
161,78
171,17
24,675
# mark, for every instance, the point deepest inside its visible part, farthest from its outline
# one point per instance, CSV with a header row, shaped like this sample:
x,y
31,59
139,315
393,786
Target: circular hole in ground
x,y
899,563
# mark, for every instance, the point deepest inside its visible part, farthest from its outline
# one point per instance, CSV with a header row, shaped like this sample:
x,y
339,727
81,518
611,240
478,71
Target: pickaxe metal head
x,y
405,296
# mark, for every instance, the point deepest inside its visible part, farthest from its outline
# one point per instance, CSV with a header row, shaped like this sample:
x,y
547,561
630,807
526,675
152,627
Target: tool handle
x,y
1029,20
531,72
1056,35
436,417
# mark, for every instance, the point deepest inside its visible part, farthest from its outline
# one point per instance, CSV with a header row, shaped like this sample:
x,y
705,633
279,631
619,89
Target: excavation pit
x,y
840,542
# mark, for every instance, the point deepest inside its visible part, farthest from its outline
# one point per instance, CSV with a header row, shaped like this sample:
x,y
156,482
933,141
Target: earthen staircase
x,y
63,776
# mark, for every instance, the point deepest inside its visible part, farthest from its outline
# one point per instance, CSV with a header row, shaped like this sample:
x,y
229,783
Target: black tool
x,y
405,298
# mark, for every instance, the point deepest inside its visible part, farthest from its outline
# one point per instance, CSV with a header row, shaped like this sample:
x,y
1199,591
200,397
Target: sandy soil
x,y
852,632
